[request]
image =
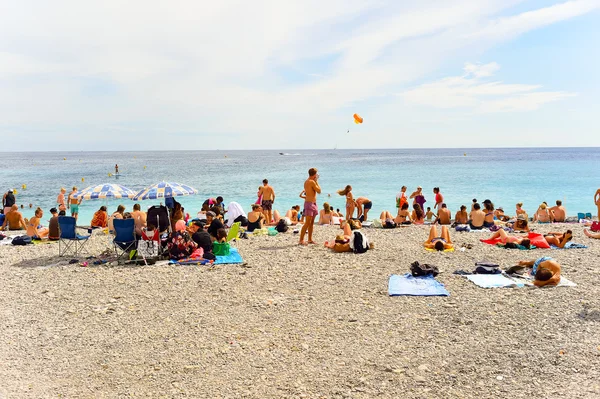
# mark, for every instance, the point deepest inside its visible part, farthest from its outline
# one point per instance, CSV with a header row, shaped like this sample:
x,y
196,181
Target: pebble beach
x,y
298,322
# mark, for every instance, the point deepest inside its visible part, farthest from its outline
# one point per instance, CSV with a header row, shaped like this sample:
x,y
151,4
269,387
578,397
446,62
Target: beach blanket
x,y
415,286
233,258
493,281
570,245
528,281
435,250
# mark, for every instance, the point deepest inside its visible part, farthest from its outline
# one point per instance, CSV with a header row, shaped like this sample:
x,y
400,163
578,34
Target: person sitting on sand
x,y
438,242
520,224
364,205
179,244
350,202
508,239
140,219
559,213
476,217
499,215
53,227
292,214
429,214
118,214
488,220
418,216
35,229
444,215
542,215
461,217
558,239
404,216
520,210
325,215
13,219
202,238
256,218
545,270
100,219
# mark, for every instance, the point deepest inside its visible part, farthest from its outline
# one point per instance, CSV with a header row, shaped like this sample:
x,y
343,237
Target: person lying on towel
x,y
545,270
438,242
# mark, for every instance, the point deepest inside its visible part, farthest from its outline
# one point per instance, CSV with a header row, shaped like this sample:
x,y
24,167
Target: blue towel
x,y
233,257
571,245
493,281
416,286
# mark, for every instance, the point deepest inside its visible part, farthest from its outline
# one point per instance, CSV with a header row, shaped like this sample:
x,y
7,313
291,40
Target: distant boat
x,y
281,153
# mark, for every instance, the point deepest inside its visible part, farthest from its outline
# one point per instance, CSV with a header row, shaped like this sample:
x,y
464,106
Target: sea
x,y
503,175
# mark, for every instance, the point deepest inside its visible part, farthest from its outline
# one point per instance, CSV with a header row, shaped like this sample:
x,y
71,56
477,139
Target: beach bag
x,y
221,248
359,242
417,269
595,226
486,268
21,240
281,226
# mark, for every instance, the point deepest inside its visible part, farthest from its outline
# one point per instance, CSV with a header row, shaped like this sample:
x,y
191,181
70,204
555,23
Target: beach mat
x,y
564,282
494,281
415,286
234,257
570,245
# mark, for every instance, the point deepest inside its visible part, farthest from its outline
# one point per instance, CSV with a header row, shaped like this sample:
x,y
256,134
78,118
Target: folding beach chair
x,y
124,241
234,232
69,241
149,245
580,215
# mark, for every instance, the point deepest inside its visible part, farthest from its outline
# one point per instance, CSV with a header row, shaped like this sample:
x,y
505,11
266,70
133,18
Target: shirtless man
x,y
116,169
364,205
14,219
439,198
268,197
311,210
476,217
74,203
60,200
140,219
597,201
461,217
444,215
559,212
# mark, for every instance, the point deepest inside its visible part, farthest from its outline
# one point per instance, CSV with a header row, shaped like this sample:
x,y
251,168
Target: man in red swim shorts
x,y
311,210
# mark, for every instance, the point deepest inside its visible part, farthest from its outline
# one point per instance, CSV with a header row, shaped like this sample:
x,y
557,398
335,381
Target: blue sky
x,y
197,75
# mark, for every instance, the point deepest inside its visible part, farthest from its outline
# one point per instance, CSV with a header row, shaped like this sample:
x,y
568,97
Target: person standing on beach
x,y
439,198
350,202
60,200
363,205
8,201
418,197
268,198
311,210
74,203
401,198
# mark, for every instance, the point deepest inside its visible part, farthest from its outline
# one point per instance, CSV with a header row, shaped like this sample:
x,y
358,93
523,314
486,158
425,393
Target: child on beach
x,y
221,247
429,215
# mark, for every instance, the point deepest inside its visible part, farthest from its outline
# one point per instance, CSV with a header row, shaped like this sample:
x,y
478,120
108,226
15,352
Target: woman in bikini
x,y
488,221
350,202
326,215
545,270
342,241
34,228
255,218
542,215
508,239
403,215
438,242
520,210
418,216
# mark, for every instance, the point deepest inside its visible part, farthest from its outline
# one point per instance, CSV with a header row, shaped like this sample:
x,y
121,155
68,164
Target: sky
x,y
200,75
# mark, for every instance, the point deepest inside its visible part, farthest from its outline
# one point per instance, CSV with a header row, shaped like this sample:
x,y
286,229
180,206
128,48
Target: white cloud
x,y
471,91
280,69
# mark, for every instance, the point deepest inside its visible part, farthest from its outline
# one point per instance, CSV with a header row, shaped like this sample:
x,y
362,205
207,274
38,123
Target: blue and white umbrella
x,y
164,190
104,191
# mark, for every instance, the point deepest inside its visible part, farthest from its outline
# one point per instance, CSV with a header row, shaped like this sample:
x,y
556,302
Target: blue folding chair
x,y
69,241
124,241
580,215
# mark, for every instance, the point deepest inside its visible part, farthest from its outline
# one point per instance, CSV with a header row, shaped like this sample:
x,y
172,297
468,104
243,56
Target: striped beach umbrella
x,y
164,190
104,191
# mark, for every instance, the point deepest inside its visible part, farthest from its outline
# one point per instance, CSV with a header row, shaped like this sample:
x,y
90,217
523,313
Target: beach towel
x,y
233,258
435,250
493,281
570,245
528,280
415,286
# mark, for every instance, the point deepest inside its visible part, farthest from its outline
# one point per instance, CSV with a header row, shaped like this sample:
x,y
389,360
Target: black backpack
x,y
360,244
417,269
486,268
21,240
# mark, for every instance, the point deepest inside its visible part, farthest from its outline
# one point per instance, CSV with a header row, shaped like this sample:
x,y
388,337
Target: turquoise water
x,y
506,176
